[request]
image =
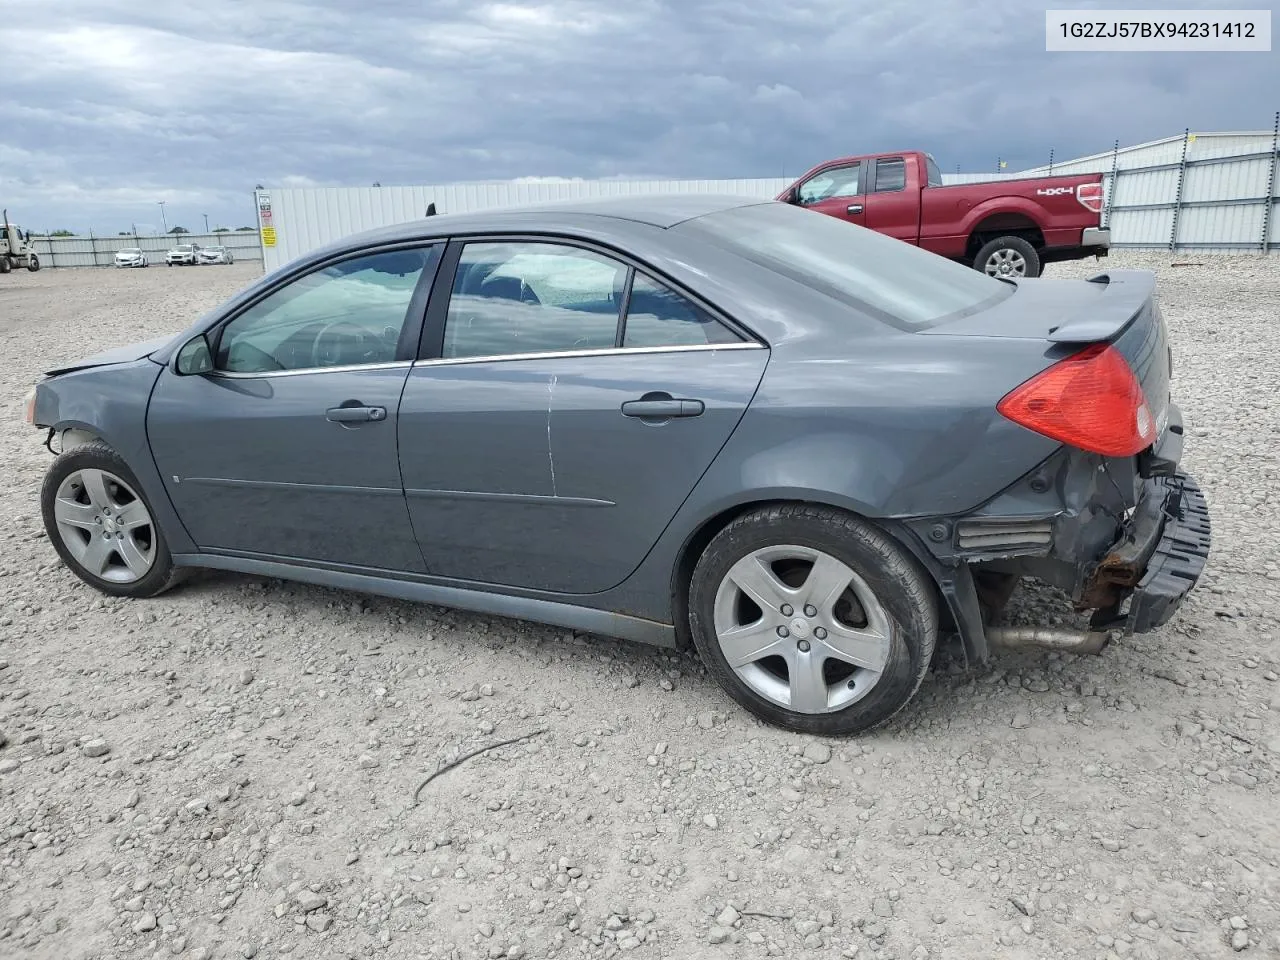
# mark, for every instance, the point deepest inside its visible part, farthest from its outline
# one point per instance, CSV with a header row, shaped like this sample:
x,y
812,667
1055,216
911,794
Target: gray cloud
x,y
111,106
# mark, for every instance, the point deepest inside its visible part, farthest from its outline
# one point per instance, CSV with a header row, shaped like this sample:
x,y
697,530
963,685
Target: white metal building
x,y
1207,191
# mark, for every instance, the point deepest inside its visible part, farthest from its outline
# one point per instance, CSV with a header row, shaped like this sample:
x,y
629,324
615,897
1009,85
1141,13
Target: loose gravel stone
x,y
817,752
95,748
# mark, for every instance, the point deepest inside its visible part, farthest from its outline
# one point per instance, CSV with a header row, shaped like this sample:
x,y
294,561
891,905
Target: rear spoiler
x,y
1127,291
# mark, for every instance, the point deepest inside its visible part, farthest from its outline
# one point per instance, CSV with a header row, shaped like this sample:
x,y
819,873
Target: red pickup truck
x,y
1004,227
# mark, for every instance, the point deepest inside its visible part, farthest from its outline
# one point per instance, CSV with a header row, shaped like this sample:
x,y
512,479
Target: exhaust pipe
x,y
1090,642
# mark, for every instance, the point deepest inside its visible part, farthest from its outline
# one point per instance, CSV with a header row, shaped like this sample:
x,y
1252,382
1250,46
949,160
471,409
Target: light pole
x,y
163,219
206,223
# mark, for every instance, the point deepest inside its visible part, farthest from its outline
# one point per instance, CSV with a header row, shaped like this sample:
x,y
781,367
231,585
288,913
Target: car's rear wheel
x,y
102,526
1009,256
812,619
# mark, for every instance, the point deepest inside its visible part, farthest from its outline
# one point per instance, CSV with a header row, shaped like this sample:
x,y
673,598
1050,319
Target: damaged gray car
x,y
805,449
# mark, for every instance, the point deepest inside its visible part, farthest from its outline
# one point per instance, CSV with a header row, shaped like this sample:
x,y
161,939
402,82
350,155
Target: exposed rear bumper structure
x,y
1173,557
1133,575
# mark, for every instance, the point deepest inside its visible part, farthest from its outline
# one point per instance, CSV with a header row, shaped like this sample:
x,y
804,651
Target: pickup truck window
x,y
898,283
833,182
891,175
935,175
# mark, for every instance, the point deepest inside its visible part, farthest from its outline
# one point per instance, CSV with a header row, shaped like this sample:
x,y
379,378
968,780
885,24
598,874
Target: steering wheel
x,y
349,344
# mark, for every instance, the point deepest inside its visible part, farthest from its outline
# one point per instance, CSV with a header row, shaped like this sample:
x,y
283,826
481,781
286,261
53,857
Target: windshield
x,y
184,248
894,281
131,251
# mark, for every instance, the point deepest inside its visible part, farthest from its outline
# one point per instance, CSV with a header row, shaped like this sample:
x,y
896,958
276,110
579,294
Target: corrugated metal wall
x,y
100,251
1204,146
307,218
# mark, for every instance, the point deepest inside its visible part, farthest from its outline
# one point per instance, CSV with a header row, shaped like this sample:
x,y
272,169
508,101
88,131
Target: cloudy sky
x,y
111,105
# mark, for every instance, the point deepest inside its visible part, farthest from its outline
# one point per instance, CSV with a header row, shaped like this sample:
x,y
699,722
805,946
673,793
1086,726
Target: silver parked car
x,y
804,448
131,257
219,254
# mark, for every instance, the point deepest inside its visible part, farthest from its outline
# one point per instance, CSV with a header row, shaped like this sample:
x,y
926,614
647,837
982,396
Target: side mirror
x,y
195,357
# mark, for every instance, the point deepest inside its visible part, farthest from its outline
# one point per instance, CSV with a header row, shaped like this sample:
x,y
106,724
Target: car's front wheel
x,y
812,618
101,525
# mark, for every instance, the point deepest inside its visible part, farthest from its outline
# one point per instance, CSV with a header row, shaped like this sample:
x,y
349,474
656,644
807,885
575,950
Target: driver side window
x,y
347,313
835,182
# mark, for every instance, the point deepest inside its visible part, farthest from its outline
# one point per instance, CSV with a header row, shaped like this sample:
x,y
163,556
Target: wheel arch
x,y
76,433
704,532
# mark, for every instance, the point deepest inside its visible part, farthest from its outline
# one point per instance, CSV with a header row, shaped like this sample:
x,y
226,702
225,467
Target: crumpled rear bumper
x,y
1178,559
1157,561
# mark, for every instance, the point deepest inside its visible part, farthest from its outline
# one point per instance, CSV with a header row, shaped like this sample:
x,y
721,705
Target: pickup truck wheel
x,y
812,619
1008,257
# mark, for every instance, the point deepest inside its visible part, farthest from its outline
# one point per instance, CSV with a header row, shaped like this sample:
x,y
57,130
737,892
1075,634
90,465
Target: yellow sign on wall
x,y
268,236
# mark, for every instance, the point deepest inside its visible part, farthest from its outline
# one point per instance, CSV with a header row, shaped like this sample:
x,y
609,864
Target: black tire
x,y
1014,246
900,584
97,455
33,263
5,265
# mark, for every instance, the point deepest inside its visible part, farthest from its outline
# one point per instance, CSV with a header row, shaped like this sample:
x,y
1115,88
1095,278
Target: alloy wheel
x,y
1006,263
105,525
801,628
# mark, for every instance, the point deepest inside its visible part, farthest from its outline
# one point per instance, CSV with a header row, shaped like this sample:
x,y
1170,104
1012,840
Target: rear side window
x,y
659,317
935,175
891,175
527,297
896,282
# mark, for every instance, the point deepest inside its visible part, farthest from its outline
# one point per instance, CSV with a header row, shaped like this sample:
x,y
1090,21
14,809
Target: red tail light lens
x,y
1090,400
1090,196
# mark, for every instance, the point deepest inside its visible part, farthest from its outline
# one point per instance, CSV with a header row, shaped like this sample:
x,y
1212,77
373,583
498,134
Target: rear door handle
x,y
664,408
853,208
355,414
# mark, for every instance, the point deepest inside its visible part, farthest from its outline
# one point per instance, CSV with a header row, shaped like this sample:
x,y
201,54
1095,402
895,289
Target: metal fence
x,y
101,251
1214,193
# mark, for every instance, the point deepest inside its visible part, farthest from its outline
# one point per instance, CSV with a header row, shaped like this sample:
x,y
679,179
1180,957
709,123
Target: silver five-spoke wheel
x,y
105,525
801,628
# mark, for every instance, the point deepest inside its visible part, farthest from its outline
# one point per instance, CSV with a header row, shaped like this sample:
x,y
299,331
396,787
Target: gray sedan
x,y
806,449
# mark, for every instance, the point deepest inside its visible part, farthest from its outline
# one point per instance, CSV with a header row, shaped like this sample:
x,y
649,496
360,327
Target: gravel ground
x,y
229,770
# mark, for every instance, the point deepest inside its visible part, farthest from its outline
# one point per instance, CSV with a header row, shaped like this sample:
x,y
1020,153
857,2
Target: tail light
x,y
29,407
1090,400
1090,196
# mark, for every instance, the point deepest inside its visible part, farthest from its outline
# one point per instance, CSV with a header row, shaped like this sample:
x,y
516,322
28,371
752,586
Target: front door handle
x,y
662,407
355,414
853,208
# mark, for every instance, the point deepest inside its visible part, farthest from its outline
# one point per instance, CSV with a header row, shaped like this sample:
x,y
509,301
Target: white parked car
x,y
183,254
131,257
215,255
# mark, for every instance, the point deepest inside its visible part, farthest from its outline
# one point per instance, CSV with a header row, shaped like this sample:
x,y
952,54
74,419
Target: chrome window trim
x,y
596,352
345,368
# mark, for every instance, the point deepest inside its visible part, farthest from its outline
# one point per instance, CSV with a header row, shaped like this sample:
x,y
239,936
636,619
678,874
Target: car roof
x,y
653,210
